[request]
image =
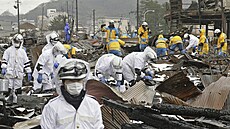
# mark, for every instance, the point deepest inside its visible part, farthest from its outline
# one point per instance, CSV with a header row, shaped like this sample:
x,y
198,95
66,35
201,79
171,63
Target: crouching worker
x,y
73,108
134,66
114,47
110,65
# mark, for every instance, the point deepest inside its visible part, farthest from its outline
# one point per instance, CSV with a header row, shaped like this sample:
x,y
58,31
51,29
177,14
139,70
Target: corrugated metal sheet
x,y
99,90
214,96
139,93
208,79
173,100
112,118
180,86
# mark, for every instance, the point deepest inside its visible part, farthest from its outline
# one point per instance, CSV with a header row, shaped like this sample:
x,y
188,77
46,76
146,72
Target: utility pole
x,y
76,16
67,10
93,22
199,12
18,16
72,9
137,13
42,18
223,17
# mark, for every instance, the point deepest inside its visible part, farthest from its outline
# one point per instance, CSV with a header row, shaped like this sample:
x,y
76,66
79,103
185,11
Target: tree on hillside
x,y
58,23
155,19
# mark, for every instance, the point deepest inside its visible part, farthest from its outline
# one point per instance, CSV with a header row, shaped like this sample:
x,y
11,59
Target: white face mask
x,y
74,88
17,45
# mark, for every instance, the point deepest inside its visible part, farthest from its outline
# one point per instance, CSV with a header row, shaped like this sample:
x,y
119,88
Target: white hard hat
x,y
116,62
73,69
135,30
186,36
144,23
111,21
217,31
17,40
150,53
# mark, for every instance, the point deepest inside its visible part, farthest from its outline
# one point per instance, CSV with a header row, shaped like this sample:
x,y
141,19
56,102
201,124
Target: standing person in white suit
x,y
134,66
14,61
110,65
51,40
73,108
44,68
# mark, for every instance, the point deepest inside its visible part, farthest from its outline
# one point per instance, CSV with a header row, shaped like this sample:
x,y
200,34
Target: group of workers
x,y
198,46
57,67
114,44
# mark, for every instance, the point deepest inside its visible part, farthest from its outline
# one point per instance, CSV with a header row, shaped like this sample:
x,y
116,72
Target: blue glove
x,y
39,79
118,83
29,76
56,65
52,75
183,51
102,79
3,71
147,78
150,73
143,40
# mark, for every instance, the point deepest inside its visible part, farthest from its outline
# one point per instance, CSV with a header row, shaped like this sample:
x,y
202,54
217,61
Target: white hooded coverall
x,y
193,42
15,60
104,66
135,60
59,114
46,59
48,45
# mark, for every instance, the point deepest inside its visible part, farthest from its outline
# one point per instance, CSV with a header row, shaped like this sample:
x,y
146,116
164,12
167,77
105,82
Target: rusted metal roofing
x,y
180,86
99,90
214,96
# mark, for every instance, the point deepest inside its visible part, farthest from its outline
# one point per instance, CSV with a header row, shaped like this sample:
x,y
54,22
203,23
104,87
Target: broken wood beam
x,y
149,116
189,111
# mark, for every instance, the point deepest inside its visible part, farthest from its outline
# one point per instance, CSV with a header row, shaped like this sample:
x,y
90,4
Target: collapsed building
x,y
203,13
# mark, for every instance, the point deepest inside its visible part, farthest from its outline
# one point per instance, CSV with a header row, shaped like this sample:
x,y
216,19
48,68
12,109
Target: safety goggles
x,y
18,41
75,69
55,39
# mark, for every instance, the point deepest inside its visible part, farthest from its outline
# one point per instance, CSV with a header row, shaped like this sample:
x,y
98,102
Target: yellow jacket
x,y
176,40
220,40
161,42
143,35
111,33
71,51
203,40
115,45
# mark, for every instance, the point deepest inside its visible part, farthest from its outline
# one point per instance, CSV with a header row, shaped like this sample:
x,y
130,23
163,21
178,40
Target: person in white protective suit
x,y
193,42
51,40
134,66
44,68
110,65
73,108
14,61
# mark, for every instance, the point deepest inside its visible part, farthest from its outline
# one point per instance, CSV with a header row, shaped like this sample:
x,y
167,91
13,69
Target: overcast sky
x,y
25,6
